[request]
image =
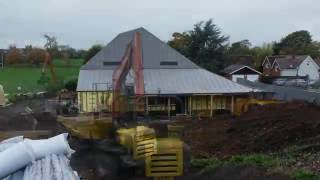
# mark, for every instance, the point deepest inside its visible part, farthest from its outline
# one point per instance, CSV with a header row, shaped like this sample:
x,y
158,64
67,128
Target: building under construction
x,y
137,73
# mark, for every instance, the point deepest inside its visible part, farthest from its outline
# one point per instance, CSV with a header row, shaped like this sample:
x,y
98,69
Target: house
x,y
236,71
159,80
291,66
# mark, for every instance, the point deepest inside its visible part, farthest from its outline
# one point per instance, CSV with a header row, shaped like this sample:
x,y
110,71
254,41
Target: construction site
x,y
142,110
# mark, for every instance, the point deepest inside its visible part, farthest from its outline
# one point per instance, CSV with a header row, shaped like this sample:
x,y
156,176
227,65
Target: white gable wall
x,y
249,77
310,68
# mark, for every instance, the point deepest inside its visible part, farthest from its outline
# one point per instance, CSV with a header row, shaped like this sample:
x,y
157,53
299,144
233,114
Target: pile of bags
x,y
26,159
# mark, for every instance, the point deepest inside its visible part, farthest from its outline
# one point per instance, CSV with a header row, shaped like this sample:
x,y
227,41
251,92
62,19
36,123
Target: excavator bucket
x,y
87,127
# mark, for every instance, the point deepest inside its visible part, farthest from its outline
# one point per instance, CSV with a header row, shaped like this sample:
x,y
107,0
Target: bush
x,y
254,159
305,175
71,85
203,163
53,88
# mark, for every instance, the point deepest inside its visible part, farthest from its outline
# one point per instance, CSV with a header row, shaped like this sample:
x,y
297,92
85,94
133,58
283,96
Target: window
x,y
111,63
168,63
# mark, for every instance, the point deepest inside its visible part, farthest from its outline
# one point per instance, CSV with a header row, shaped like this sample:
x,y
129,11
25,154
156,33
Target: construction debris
x,y
36,159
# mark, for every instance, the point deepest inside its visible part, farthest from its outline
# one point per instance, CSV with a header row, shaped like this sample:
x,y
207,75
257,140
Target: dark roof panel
x,y
287,61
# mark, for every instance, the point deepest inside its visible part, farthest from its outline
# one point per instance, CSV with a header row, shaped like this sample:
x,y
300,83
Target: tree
x,y
36,56
51,45
205,45
92,52
260,53
299,42
14,56
240,48
180,42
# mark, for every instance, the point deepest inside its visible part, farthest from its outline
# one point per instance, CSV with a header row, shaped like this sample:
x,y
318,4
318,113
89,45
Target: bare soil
x,y
262,129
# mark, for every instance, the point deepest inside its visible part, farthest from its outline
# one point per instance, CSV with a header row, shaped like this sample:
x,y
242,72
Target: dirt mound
x,y
262,129
231,172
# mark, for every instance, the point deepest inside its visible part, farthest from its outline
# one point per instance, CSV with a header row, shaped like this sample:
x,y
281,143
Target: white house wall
x,y
249,77
236,76
310,68
252,77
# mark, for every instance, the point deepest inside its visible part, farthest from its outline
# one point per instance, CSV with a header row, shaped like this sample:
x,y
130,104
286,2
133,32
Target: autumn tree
x,y
36,56
14,56
180,42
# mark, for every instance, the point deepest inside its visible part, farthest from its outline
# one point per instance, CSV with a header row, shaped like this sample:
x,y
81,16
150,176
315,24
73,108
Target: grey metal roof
x,y
166,81
153,52
95,80
188,81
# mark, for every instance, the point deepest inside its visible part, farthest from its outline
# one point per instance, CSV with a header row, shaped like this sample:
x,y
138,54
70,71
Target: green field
x,y
27,76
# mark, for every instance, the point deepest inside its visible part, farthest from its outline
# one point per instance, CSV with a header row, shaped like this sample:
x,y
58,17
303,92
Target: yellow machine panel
x,y
140,140
167,162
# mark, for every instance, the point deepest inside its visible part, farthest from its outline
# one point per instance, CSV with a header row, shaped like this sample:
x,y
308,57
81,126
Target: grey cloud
x,y
81,23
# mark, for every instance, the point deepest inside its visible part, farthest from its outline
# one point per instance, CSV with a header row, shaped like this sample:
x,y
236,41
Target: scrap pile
x,y
262,129
25,159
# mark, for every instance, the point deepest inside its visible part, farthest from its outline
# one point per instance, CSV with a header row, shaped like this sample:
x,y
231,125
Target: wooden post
x,y
185,105
232,104
190,107
169,108
211,105
147,105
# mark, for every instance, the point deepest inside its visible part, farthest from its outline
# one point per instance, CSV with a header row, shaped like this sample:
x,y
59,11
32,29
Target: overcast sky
x,y
82,23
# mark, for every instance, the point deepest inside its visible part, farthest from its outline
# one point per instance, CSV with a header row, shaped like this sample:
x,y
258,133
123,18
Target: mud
x,y
231,172
262,129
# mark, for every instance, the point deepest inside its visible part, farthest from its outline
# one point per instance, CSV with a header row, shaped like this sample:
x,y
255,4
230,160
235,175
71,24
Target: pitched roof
x,y
233,68
287,61
185,77
236,67
154,51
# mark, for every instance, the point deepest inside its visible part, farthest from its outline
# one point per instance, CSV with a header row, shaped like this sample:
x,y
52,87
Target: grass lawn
x,y
27,76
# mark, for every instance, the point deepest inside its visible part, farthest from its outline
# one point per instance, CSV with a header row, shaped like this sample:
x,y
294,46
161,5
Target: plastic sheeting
x,y
36,159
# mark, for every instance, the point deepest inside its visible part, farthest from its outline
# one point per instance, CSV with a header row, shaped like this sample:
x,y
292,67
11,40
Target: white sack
x,y
20,155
